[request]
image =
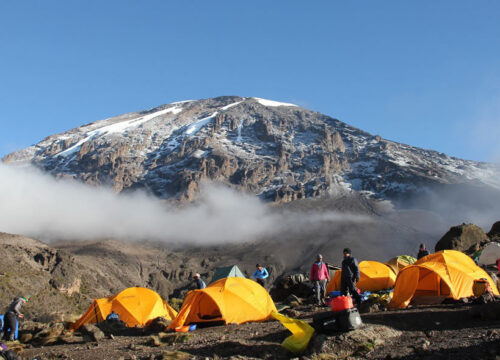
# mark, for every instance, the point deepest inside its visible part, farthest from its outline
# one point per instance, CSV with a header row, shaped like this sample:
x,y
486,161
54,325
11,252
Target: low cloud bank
x,y
37,205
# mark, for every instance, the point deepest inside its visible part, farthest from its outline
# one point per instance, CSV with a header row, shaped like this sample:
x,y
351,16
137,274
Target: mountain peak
x,y
276,150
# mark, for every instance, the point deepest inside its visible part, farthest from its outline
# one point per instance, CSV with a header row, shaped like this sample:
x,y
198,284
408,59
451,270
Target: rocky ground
x,y
433,332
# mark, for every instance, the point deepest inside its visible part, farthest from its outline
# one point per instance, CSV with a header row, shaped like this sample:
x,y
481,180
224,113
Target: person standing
x,y
319,277
422,251
11,315
199,283
350,276
260,275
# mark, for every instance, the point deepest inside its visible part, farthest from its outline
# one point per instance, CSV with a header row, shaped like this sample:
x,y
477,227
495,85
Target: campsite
x,y
427,332
244,180
429,308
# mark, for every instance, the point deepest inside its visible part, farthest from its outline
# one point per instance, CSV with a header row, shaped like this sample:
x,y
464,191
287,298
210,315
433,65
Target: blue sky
x,y
425,73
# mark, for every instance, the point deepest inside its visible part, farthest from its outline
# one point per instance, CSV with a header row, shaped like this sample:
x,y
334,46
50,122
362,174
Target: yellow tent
x,y
399,262
135,306
447,273
231,300
374,276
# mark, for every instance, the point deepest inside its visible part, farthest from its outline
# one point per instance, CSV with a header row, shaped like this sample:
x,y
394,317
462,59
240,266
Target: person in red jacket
x,y
319,277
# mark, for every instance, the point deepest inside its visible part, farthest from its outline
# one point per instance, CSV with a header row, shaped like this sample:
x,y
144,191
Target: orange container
x,y
341,303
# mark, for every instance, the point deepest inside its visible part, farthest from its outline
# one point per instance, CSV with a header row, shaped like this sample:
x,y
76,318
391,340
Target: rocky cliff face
x,y
277,151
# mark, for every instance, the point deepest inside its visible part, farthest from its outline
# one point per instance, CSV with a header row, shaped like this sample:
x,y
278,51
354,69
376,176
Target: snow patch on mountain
x,y
118,127
194,128
272,103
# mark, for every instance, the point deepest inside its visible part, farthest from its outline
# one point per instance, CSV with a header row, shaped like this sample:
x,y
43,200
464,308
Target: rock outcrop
x,y
277,151
466,238
494,233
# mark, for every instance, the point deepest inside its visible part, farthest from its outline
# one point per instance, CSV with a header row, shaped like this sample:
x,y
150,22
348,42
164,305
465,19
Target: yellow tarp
x,y
301,333
232,300
135,306
374,276
447,273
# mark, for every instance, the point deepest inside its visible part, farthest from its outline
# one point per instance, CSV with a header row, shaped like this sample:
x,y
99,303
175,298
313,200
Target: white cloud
x,y
37,205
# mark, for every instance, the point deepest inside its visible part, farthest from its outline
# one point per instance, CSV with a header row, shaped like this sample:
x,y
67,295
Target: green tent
x,y
227,271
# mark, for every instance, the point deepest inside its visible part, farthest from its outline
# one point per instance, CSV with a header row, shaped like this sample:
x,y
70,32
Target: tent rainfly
x,y
445,274
229,300
135,306
374,276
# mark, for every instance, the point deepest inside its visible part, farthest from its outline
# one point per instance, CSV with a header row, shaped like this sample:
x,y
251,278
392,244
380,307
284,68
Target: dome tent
x,y
490,254
229,300
135,306
447,273
374,276
227,271
399,262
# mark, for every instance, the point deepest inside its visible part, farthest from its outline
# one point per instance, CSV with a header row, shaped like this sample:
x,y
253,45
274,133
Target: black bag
x,y
349,319
325,322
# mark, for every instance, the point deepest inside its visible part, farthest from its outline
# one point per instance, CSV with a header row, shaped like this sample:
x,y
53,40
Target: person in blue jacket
x,y
113,316
260,275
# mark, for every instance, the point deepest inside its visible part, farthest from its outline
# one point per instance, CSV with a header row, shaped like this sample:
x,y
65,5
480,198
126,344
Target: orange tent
x,y
231,300
374,276
447,273
134,306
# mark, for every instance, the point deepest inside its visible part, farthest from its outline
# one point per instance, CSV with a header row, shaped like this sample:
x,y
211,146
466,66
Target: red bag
x,y
341,303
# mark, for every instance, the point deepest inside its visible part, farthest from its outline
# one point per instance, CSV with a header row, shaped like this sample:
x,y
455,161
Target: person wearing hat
x,y
319,277
199,283
349,276
260,275
11,315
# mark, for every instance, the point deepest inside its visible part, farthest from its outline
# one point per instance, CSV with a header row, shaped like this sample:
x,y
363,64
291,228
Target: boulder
x,y
296,284
48,335
368,307
494,233
353,343
92,331
158,324
465,238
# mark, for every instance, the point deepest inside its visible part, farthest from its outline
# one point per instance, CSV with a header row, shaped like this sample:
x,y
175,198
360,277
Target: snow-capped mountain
x,y
277,151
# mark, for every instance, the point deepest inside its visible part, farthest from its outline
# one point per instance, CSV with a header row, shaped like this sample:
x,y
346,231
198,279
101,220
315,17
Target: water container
x,y
341,303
